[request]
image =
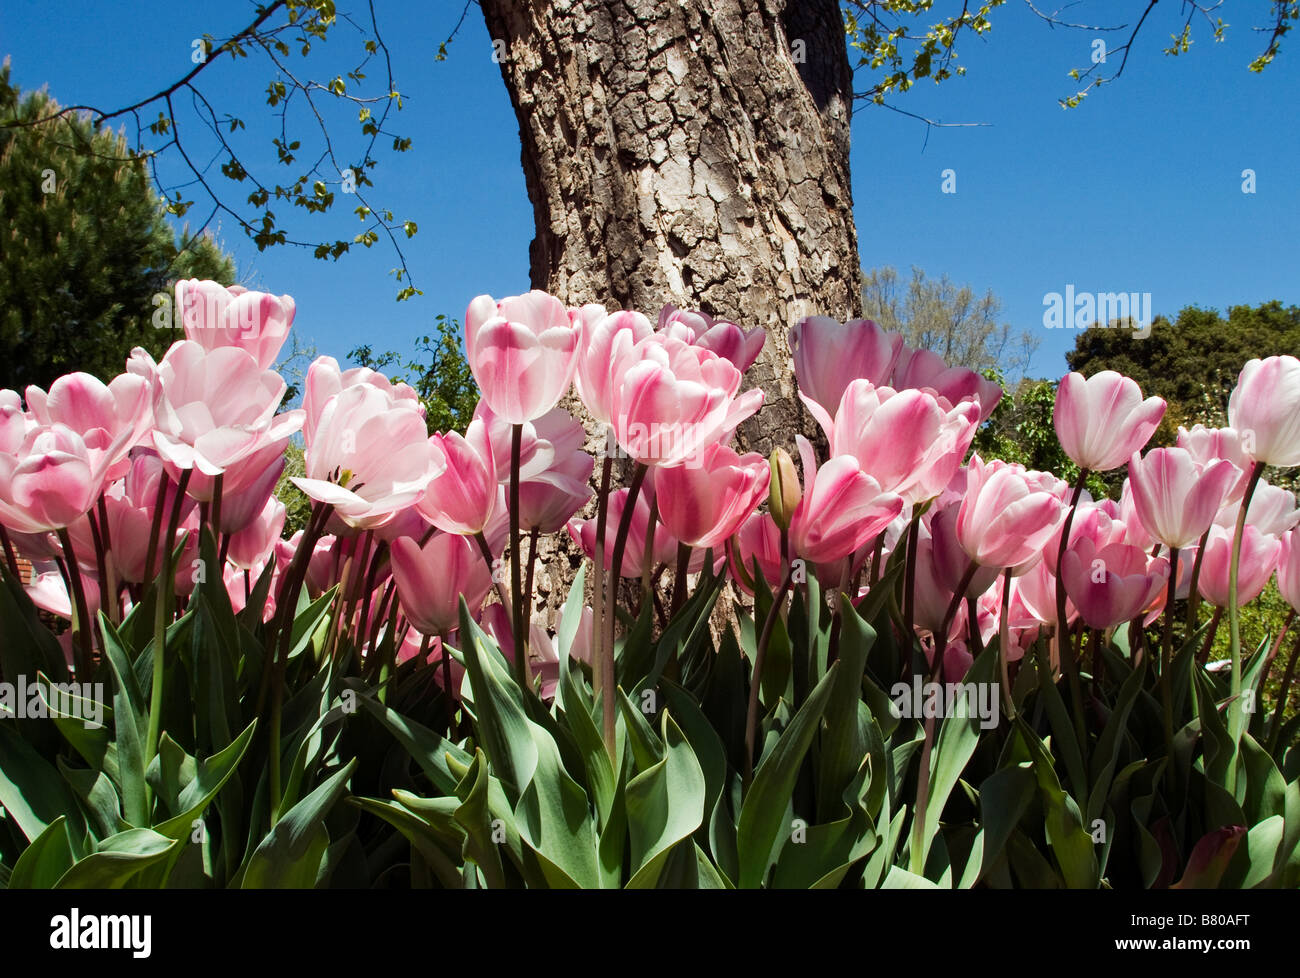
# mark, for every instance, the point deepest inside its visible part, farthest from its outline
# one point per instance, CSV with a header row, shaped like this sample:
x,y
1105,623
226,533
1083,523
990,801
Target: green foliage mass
x,y
1192,362
86,247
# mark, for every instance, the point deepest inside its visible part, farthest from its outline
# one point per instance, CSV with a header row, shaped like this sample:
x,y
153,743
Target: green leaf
x,y
1004,797
761,830
44,862
117,860
209,776
31,792
290,855
1072,846
552,811
130,720
665,804
844,741
958,737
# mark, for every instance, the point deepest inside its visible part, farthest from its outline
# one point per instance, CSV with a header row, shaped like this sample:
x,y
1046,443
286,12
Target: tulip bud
x,y
784,492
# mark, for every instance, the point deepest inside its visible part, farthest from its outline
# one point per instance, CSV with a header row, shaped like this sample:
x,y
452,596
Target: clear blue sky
x,y
1138,189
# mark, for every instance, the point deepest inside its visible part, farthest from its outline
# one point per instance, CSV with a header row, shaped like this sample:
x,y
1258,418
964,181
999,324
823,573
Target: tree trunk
x,y
694,152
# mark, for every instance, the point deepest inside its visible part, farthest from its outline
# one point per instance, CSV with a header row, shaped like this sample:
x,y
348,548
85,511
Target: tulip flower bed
x,y
928,668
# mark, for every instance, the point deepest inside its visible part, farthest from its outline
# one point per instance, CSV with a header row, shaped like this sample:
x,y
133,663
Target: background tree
x,y
1193,361
947,319
88,245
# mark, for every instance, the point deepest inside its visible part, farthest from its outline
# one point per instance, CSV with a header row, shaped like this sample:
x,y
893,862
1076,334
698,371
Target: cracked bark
x,y
693,152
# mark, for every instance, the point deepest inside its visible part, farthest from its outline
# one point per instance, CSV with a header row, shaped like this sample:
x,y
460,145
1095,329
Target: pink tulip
x,y
1113,584
758,539
1272,510
930,598
1265,408
949,557
130,504
1288,568
368,456
111,419
216,408
462,495
842,508
606,341
829,355
553,468
254,543
1134,530
14,422
325,379
926,370
252,483
1036,594
1004,521
432,579
723,337
522,351
1209,445
1102,420
238,587
1259,555
704,505
49,591
215,317
51,481
548,501
1099,522
908,441
1176,499
674,400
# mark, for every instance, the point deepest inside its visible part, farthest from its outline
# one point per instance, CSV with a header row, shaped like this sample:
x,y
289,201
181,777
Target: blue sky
x,y
1137,190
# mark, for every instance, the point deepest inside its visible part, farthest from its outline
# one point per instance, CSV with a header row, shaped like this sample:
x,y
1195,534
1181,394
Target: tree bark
x,y
694,152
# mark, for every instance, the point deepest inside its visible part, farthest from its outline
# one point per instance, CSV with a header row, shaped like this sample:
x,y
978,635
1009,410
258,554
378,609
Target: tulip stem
x,y
274,676
486,551
909,591
445,664
10,558
363,626
81,627
101,561
877,551
679,579
1277,647
1167,653
756,675
973,627
1275,727
1069,665
918,850
1210,635
648,553
1004,642
1193,597
217,486
1236,715
517,624
155,529
114,585
598,586
609,685
532,560
162,607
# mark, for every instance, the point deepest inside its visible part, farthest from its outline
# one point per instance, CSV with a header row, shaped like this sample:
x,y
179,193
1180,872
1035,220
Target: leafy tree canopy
x,y
88,246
